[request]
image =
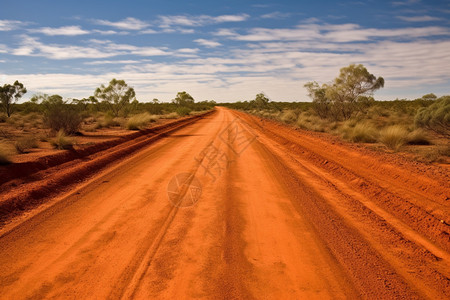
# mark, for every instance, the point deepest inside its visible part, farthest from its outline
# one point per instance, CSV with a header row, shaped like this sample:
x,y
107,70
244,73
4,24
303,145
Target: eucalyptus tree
x,y
117,95
10,94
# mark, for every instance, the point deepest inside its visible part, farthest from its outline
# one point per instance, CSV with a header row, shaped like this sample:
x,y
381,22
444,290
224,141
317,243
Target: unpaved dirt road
x,y
234,207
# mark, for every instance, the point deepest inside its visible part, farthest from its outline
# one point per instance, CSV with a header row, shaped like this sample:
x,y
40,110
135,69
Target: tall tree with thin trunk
x,y
9,95
117,95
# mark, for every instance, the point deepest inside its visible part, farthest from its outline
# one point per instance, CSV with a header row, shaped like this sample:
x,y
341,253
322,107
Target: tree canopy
x,y
117,95
350,92
183,99
261,100
10,94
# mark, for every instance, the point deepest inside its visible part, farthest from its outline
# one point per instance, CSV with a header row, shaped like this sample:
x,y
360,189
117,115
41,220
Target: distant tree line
x,y
117,99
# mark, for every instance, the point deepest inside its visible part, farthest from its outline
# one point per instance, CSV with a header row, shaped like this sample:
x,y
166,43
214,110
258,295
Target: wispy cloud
x,y
8,25
276,15
112,62
334,33
65,30
207,43
194,21
419,18
125,24
405,3
31,46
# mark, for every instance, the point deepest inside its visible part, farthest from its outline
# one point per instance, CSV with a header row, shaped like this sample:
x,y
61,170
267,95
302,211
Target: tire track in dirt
x,y
419,266
401,206
132,277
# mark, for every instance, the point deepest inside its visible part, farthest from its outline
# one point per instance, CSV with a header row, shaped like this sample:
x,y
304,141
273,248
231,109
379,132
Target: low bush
x,y
61,141
394,137
183,111
3,118
62,117
136,122
25,143
435,117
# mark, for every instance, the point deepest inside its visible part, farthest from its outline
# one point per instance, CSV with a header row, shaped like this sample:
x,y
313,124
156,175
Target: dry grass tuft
x,y
288,117
418,137
136,122
25,143
362,133
62,141
394,137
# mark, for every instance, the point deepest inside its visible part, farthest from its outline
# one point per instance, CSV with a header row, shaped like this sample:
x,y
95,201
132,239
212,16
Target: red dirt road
x,y
264,212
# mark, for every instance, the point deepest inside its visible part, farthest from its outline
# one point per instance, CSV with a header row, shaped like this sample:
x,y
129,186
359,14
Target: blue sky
x,y
223,50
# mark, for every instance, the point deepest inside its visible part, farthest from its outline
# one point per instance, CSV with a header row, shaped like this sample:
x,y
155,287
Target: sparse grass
x,y
136,122
394,137
25,143
62,141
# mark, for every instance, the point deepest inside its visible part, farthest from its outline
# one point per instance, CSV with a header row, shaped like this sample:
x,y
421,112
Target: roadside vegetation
x,y
346,108
52,122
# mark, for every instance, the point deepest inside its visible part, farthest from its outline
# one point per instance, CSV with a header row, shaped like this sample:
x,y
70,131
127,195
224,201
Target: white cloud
x,y
225,32
105,32
194,21
118,62
65,30
231,18
276,15
148,31
419,18
8,25
333,33
31,46
207,43
125,24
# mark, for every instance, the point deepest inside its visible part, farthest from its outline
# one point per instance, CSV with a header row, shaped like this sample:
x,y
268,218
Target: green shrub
x,y
394,137
418,137
62,117
183,111
61,141
363,133
288,117
435,117
25,143
136,122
